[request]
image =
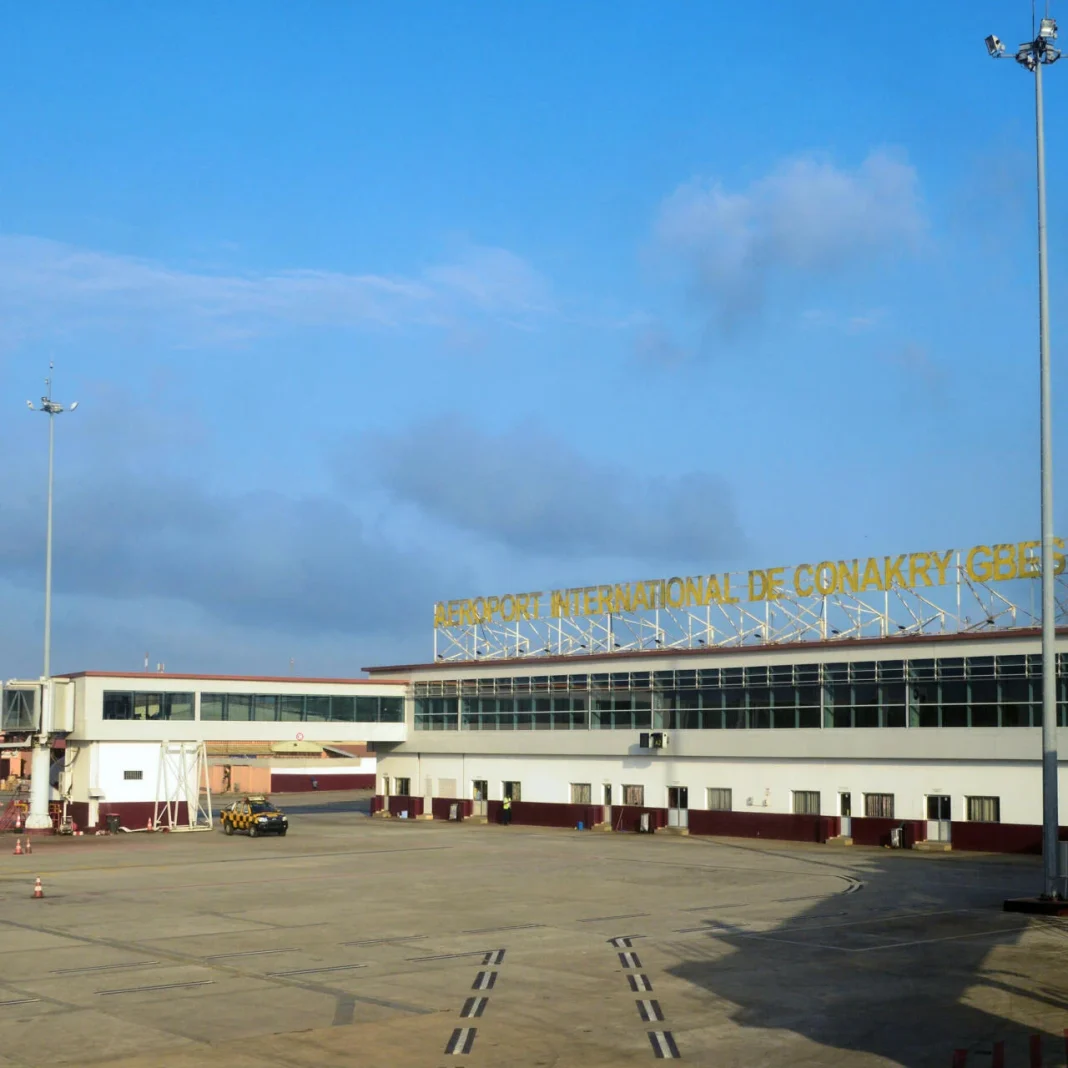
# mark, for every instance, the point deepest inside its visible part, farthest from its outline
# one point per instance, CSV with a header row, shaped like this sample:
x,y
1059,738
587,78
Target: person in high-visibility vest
x,y
506,811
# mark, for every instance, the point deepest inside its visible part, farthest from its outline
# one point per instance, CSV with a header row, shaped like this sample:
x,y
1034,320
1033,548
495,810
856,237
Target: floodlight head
x,y
1047,29
73,406
994,45
29,404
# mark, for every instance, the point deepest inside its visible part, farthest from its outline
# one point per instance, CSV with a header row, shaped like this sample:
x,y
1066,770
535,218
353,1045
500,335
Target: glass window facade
x,y
296,708
981,691
137,704
253,708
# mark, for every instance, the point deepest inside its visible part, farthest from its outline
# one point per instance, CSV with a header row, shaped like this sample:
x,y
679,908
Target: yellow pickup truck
x,y
254,814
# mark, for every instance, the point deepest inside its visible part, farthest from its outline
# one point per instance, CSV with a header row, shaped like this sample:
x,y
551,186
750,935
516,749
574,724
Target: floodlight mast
x,y
40,769
1034,55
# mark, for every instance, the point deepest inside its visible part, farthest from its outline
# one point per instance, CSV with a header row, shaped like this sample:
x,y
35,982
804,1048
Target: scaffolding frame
x,y
961,606
182,776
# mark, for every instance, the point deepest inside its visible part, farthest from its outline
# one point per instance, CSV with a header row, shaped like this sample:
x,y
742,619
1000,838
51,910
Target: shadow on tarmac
x,y
907,968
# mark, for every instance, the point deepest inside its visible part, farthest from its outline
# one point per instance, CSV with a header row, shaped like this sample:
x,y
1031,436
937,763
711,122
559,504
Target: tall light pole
x,y
1034,55
40,770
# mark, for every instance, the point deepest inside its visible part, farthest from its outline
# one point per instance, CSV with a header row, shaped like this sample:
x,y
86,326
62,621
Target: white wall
x,y
89,723
770,784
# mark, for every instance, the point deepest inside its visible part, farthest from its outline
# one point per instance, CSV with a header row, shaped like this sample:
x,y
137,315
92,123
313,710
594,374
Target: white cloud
x,y
47,287
807,217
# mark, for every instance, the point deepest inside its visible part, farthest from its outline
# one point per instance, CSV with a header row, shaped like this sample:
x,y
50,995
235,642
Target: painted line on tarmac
x,y
623,942
629,960
484,981
159,986
104,967
624,916
494,956
316,971
664,1047
18,1001
473,1008
510,927
384,941
447,956
252,953
650,1011
638,983
463,1039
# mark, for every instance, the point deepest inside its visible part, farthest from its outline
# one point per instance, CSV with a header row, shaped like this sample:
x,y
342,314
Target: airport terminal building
x,y
142,746
893,698
820,714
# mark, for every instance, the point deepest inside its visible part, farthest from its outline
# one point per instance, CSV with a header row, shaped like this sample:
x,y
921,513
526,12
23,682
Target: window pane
x,y
148,706
806,803
265,707
783,718
178,706
879,806
367,709
316,709
117,705
633,795
343,709
760,718
984,809
291,708
238,706
984,715
951,667
581,793
808,717
866,716
719,799
211,706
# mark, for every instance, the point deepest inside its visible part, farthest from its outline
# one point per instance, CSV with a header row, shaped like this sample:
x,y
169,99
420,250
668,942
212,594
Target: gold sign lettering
x,y
828,578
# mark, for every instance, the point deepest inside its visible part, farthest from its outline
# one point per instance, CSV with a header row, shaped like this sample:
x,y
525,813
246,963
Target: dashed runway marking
x,y
474,1007
629,960
664,1048
639,983
463,1038
18,1001
484,981
621,943
650,1011
625,916
494,956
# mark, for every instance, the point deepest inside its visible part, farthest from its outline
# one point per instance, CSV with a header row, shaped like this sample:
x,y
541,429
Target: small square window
x,y
132,776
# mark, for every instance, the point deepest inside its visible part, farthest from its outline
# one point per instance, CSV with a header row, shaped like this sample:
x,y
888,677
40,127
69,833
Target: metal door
x,y
678,806
845,814
939,811
480,793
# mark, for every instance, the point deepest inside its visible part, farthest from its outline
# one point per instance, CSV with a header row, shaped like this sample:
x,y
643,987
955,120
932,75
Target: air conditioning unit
x,y
653,740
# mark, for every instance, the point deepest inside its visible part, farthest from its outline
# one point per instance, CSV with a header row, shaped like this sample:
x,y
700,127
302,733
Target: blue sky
x,y
370,305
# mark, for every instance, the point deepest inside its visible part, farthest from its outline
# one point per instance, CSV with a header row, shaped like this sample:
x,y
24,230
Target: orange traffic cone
x,y
29,846
148,826
18,847
38,890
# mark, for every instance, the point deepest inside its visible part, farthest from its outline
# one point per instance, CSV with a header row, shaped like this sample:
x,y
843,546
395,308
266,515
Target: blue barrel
x,y
581,826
